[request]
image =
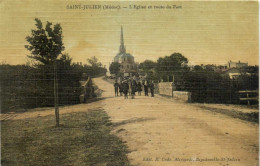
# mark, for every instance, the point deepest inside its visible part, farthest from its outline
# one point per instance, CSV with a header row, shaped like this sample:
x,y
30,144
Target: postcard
x,y
120,83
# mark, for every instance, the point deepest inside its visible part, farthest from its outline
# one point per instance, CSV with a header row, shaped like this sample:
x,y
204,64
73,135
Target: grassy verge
x,y
251,117
83,139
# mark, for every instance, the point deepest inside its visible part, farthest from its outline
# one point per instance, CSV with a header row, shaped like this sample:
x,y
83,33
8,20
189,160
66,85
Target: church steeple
x,y
122,46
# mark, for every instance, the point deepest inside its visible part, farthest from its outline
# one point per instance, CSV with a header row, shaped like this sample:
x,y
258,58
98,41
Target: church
x,y
126,60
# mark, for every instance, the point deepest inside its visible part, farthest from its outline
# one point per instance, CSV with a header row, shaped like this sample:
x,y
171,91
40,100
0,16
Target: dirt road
x,y
164,132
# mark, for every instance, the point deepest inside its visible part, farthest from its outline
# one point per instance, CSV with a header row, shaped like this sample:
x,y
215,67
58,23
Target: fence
x,y
249,96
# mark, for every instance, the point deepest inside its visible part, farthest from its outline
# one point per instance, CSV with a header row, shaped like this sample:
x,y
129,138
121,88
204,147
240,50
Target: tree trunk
x,y
56,95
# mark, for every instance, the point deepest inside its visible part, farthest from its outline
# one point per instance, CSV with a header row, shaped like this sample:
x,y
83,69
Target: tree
x,y
114,68
65,60
253,70
69,80
93,61
96,66
147,65
45,45
174,64
198,68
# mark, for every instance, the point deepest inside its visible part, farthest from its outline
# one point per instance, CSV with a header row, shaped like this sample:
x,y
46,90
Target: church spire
x,y
122,46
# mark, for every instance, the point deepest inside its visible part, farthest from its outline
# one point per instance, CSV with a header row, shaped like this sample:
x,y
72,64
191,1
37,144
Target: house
x,y
238,64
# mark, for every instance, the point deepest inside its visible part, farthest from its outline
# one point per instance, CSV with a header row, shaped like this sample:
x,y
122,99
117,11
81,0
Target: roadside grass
x,y
250,117
82,139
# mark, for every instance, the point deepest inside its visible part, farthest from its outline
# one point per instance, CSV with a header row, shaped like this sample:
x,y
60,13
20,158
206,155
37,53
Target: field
x,y
83,139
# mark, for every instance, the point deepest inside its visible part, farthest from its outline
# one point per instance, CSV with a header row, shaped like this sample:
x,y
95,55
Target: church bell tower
x,y
122,46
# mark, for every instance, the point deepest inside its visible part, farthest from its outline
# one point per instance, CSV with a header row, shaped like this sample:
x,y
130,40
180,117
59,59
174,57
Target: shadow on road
x,y
132,120
97,99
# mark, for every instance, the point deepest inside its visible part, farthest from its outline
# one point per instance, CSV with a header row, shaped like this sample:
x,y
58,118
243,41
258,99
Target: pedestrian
x,y
130,88
133,86
146,88
116,86
139,88
151,85
120,88
125,89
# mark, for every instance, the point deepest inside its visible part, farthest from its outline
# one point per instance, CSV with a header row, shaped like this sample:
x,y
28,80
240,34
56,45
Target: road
x,y
165,132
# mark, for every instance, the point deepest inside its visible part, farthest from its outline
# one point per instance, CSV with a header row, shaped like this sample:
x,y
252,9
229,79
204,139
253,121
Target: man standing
x,y
116,86
130,88
146,88
133,86
152,88
139,88
120,88
125,89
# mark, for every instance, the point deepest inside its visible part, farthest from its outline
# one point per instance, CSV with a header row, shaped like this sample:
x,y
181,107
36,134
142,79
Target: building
x,y
233,73
238,64
128,66
232,69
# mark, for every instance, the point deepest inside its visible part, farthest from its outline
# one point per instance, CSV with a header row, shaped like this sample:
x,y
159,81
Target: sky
x,y
206,32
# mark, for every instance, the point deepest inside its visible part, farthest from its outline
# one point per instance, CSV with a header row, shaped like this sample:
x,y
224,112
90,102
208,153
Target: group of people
x,y
130,87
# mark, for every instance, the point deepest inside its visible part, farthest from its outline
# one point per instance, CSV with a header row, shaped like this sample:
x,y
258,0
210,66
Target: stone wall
x,y
166,88
182,95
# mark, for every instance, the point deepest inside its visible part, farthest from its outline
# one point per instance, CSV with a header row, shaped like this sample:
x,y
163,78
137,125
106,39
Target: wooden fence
x,y
249,96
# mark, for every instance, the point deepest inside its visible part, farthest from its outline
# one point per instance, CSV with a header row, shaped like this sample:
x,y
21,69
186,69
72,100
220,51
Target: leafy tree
x,y
147,68
93,61
174,64
45,45
171,63
114,68
209,68
96,67
147,65
65,60
247,82
198,68
69,80
253,70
